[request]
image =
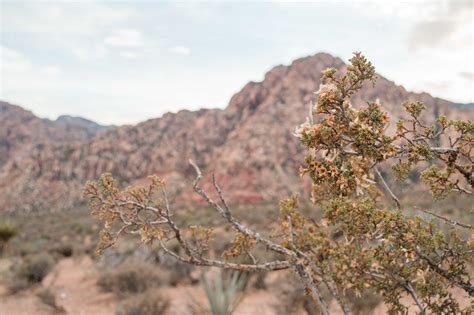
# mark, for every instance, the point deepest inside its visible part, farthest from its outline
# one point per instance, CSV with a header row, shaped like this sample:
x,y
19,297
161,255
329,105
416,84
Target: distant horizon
x,y
125,62
222,108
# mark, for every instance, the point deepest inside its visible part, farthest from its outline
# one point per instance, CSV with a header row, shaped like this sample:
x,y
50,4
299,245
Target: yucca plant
x,y
223,292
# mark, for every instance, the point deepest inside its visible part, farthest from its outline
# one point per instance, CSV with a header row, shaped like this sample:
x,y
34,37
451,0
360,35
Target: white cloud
x,y
440,23
467,75
77,28
86,52
50,70
13,60
66,18
180,50
448,25
130,55
125,38
415,9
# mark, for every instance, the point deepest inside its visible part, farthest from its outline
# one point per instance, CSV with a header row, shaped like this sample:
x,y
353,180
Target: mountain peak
x,y
248,145
79,121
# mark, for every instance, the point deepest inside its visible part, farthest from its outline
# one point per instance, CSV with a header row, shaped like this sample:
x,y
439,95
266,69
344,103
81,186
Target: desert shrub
x,y
130,278
35,268
378,247
30,271
63,249
150,302
47,297
7,230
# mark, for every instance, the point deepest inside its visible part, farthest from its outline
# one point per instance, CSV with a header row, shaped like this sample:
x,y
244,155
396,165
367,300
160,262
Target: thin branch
x,y
219,192
463,284
254,260
174,227
412,292
311,286
462,189
200,261
387,188
226,214
447,220
443,150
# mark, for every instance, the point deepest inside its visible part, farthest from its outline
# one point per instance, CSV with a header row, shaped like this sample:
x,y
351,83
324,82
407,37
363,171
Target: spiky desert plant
x,y
223,290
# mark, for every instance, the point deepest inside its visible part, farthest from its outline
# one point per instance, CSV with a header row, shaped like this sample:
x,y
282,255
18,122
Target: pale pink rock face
x,y
249,145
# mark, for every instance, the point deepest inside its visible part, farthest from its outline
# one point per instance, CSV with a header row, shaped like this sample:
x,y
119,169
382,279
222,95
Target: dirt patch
x,y
73,282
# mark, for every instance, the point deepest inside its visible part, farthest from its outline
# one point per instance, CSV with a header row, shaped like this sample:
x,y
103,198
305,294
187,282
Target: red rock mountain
x,y
21,131
248,145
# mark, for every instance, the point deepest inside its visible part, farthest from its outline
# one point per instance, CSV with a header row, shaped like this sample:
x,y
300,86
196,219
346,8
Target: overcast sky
x,y
123,62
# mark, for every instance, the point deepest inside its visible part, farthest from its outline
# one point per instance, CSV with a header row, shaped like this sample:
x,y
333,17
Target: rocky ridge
x,y
248,145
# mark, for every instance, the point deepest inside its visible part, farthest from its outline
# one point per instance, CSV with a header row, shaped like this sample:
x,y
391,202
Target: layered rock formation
x,y
248,145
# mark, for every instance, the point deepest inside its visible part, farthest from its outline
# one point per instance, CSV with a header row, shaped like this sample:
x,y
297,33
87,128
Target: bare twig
x,y
312,287
310,284
447,220
226,214
201,261
443,150
463,284
412,292
387,188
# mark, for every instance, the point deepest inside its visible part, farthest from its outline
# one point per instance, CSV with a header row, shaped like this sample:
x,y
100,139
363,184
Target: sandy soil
x,y
73,283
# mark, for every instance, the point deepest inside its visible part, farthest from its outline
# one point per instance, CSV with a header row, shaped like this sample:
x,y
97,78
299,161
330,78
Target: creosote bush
x,y
31,271
35,268
150,302
63,249
378,249
7,231
129,278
